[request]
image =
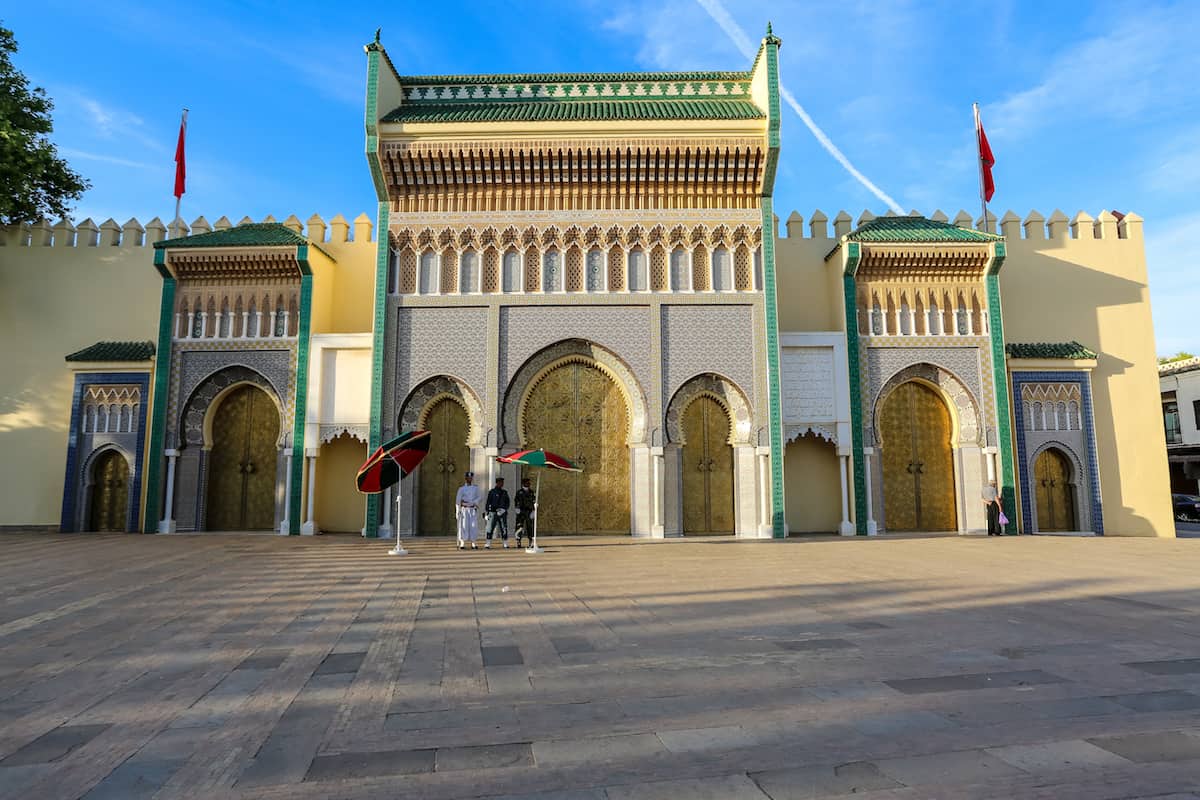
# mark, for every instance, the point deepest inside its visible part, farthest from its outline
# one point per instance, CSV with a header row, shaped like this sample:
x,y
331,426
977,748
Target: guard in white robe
x,y
466,509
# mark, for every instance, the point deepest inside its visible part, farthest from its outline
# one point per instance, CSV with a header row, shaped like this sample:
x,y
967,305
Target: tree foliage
x,y
34,182
1180,356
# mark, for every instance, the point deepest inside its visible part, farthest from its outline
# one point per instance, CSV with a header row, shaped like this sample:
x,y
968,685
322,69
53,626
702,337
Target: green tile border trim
x,y
1007,480
303,346
849,293
770,299
158,420
382,239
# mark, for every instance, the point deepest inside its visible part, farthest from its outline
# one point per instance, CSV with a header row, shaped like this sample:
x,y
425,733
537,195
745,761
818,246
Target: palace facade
x,y
589,263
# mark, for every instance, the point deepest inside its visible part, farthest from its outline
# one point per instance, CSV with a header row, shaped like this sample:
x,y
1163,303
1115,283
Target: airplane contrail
x,y
749,50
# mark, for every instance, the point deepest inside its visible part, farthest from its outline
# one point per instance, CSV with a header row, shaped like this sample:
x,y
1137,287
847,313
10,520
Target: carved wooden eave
x,y
575,174
923,262
242,263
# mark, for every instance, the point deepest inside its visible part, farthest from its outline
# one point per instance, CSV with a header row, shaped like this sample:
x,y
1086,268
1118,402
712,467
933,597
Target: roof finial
x,y
380,30
768,27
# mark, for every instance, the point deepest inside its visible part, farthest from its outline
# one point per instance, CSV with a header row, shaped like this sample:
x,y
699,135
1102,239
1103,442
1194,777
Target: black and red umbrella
x,y
392,462
545,460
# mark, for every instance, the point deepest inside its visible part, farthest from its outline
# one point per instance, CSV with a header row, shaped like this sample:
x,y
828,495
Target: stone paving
x,y
254,666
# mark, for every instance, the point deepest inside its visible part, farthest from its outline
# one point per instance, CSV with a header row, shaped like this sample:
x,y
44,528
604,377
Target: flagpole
x,y
179,196
979,157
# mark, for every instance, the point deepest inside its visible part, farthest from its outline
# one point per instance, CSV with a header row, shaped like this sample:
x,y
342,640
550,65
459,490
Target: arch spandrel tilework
x,y
965,407
196,408
879,364
692,345
194,364
438,341
422,396
730,396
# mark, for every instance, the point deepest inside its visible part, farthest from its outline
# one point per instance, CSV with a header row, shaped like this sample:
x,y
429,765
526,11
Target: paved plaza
x,y
260,666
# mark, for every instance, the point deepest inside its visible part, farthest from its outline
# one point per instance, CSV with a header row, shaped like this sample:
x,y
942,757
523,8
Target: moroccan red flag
x,y
986,162
180,165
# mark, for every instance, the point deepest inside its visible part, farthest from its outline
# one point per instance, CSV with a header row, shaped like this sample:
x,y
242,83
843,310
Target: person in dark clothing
x,y
525,501
497,510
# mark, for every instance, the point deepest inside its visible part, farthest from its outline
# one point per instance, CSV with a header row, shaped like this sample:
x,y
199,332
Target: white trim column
x,y
846,527
657,467
167,523
868,457
765,528
285,524
990,457
309,527
385,529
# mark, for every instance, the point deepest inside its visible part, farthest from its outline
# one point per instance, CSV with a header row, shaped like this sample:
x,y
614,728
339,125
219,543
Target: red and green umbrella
x,y
393,461
540,458
545,460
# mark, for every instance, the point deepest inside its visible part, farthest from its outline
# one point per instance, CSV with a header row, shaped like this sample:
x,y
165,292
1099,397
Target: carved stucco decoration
x,y
826,432
964,406
563,352
198,405
415,406
327,433
721,389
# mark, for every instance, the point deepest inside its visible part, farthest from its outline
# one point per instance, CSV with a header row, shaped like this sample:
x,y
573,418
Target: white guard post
x,y
398,550
533,548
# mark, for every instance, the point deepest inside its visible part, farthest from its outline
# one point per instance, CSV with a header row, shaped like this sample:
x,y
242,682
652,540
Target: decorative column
x,y
309,527
868,457
846,528
385,529
271,330
245,324
178,319
990,458
912,322
657,529
764,491
203,324
191,319
285,323
285,524
167,523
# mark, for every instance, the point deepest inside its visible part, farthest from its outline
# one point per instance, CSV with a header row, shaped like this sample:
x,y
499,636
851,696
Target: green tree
x,y
34,182
1180,356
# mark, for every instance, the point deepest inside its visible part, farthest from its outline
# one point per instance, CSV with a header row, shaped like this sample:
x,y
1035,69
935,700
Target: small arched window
x,y
102,420
722,267
89,419
552,277
1028,417
239,318
197,320
511,279
1039,421
935,322
225,327
594,278
468,272
1063,424
681,271
1074,416
429,273
906,319
253,325
639,280
280,317
758,269
877,320
963,318
393,279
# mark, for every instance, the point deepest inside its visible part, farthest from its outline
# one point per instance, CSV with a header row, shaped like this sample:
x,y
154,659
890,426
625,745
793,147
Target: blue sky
x,y
1088,105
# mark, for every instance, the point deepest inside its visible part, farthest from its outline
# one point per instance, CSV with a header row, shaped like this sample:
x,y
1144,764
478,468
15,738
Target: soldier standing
x,y
497,511
466,509
525,501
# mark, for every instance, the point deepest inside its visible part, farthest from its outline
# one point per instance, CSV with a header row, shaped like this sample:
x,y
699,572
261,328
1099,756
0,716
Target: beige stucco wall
x,y
813,499
808,289
1094,290
54,301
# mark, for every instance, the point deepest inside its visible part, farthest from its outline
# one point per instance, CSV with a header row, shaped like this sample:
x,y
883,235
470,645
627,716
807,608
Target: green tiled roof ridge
x,y
1065,350
251,234
536,110
114,351
572,77
910,229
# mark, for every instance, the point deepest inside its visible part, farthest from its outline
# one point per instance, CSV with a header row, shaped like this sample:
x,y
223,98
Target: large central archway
x,y
242,465
576,409
918,464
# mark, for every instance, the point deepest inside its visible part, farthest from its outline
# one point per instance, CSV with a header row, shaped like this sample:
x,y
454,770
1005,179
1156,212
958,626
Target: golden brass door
x,y
707,468
243,462
110,492
578,412
441,472
918,466
1052,487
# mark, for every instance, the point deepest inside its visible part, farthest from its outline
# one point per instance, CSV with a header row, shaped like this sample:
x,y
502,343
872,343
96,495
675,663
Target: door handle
x,y
909,468
920,467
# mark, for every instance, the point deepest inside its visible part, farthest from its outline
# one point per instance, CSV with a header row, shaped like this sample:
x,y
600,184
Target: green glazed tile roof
x,y
1067,350
917,230
257,234
568,77
517,111
115,351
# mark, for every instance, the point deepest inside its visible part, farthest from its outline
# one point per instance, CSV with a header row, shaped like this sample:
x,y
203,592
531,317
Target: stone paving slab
x,y
288,667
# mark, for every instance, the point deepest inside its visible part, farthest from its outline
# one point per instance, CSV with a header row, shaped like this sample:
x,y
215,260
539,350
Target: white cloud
x,y
70,152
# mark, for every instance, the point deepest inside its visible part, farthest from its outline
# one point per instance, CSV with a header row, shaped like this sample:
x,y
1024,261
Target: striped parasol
x,y
393,461
546,460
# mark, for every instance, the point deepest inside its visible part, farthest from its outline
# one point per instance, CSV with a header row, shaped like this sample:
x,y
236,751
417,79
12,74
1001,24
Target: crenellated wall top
x,y
1035,226
133,233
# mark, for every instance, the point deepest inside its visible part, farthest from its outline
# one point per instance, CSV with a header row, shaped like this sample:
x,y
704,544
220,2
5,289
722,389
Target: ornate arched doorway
x,y
918,465
442,470
109,502
707,468
577,410
243,462
1052,485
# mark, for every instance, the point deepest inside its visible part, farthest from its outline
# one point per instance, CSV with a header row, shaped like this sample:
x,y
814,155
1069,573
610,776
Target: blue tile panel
x,y
70,479
1019,379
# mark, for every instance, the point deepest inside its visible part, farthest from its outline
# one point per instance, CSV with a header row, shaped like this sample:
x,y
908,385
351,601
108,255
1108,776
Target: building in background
x,y
589,263
1179,382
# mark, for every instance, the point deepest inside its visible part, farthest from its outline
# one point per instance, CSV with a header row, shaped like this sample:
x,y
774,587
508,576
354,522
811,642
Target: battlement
x,y
1035,226
133,233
